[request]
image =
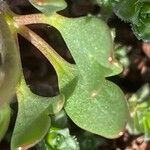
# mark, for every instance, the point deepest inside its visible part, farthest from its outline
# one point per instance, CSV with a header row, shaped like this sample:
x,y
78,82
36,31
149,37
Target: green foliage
x,y
4,119
33,119
139,104
60,139
91,79
49,6
83,107
89,99
137,12
10,62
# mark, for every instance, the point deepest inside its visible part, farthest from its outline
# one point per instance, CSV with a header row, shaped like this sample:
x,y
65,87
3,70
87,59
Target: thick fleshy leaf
x,y
4,119
33,119
49,6
96,104
10,62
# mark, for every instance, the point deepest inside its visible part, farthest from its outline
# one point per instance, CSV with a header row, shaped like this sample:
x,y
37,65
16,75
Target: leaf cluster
x,y
136,12
89,99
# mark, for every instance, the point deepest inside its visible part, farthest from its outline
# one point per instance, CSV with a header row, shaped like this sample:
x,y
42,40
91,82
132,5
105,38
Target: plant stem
x,y
51,20
55,59
28,19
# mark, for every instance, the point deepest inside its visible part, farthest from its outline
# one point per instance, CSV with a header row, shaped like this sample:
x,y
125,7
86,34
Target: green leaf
x,y
60,139
4,119
33,119
127,9
9,62
137,12
142,28
49,6
139,106
66,72
96,104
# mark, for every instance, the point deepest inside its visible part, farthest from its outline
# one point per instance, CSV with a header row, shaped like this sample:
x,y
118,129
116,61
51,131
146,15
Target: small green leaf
x,y
49,6
127,9
33,119
4,119
10,68
142,27
139,106
96,104
60,139
137,12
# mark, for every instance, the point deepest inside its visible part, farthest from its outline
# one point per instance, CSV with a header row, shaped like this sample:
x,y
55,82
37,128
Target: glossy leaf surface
x,y
49,6
33,119
96,104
